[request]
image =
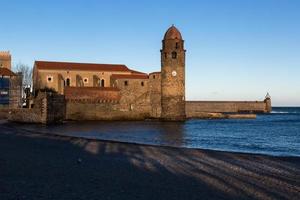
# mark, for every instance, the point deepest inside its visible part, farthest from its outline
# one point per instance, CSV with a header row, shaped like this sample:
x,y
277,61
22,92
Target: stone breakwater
x,y
207,115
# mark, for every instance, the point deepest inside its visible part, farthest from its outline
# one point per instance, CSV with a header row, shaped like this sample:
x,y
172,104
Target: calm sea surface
x,y
277,133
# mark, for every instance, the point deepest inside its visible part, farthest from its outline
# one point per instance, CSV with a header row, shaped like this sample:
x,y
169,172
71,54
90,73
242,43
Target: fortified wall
x,y
196,108
105,104
48,108
131,98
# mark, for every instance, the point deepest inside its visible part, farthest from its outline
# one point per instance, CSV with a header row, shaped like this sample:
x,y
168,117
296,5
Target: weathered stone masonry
x,y
48,108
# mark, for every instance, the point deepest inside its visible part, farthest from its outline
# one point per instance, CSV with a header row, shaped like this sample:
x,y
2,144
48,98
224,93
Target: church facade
x,y
116,92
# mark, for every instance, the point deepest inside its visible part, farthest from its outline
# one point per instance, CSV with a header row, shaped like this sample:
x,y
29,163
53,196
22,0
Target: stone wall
x,y
195,108
134,94
155,94
15,91
3,112
130,101
48,108
55,110
92,94
81,111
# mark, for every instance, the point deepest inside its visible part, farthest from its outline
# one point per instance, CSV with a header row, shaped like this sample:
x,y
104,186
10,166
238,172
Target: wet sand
x,y
35,166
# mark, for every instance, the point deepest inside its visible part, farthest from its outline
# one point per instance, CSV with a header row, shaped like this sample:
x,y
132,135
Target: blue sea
x,y
277,133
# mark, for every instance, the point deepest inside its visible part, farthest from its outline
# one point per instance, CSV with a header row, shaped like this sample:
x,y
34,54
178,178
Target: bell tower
x,y
173,76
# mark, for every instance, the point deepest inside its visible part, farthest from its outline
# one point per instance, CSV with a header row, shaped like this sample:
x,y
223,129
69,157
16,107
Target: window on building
x,y
177,45
125,83
174,55
68,82
102,83
142,83
166,55
50,78
153,76
85,80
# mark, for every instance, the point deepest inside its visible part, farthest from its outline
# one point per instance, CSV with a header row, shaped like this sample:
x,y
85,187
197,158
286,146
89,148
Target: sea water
x,y
277,133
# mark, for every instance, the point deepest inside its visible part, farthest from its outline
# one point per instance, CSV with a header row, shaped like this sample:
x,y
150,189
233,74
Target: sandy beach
x,y
35,166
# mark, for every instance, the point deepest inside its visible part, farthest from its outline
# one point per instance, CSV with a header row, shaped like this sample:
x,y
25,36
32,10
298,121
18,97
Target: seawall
x,y
196,108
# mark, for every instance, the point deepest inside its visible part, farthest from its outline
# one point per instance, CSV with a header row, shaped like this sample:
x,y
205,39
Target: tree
x,y
26,74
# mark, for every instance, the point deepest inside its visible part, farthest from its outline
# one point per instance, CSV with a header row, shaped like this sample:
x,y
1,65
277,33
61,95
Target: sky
x,y
236,50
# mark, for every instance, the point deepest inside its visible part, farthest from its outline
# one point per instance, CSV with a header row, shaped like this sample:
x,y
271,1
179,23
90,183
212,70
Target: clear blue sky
x,y
236,49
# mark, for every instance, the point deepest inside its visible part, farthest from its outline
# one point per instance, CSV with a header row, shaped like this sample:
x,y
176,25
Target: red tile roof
x,y
80,66
6,72
155,73
129,76
137,72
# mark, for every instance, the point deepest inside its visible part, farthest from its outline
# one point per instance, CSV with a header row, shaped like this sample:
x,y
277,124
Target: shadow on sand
x,y
34,166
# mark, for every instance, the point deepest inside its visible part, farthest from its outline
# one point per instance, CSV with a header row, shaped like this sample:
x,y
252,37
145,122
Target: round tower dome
x,y
172,33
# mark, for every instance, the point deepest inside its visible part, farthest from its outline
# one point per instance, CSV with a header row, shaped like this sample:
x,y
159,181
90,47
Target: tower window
x,y
166,55
102,83
85,80
177,45
125,83
142,83
174,55
153,76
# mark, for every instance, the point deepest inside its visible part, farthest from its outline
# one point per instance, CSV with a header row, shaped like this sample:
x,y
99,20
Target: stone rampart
x,y
195,108
108,103
101,111
48,108
92,94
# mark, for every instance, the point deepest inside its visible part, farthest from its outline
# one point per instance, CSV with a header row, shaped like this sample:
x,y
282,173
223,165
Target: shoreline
x,y
61,135
35,166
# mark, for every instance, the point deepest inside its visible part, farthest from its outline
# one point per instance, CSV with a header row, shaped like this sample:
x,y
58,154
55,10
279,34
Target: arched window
x,y
177,45
142,83
68,82
174,55
102,83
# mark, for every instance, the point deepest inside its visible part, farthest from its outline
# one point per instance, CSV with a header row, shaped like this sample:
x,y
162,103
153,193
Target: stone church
x,y
116,92
110,91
